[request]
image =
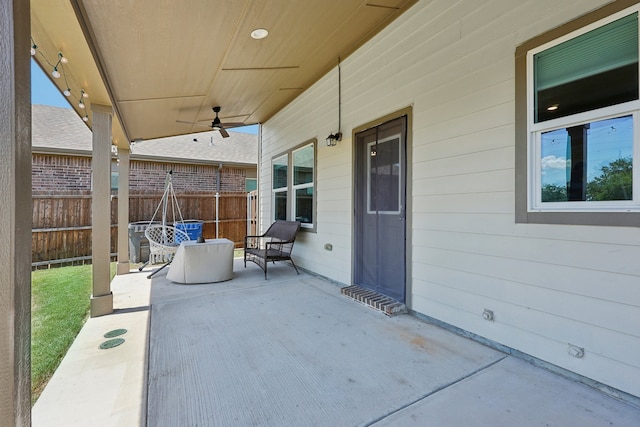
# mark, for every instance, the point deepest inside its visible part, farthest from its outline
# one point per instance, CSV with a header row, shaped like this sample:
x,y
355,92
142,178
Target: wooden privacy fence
x,y
62,223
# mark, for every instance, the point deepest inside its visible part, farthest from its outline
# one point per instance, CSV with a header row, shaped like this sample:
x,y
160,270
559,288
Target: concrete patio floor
x,y
292,351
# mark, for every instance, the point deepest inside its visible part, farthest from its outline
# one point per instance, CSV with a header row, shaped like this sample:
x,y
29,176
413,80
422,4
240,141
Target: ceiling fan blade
x,y
224,133
192,123
232,124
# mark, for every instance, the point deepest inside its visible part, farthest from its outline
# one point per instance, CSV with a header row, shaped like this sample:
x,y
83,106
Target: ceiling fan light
x,y
259,33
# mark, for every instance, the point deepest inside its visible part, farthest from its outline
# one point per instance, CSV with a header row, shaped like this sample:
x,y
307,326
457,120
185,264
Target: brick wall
x,y
150,177
52,173
64,174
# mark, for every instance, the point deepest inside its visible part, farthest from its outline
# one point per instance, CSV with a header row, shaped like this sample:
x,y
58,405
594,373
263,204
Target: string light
x,y
57,72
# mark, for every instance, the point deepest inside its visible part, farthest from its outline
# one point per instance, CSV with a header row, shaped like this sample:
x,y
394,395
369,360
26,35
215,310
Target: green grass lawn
x,y
59,308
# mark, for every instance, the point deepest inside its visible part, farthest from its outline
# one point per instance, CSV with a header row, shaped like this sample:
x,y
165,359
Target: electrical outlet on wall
x,y
575,351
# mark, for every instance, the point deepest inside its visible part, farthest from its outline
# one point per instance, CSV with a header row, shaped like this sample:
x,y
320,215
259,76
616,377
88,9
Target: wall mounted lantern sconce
x,y
332,139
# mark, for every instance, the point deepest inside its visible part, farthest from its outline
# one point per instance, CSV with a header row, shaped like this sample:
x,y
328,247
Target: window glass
x,y
304,205
280,172
114,180
594,70
280,205
303,165
251,184
588,162
384,176
293,185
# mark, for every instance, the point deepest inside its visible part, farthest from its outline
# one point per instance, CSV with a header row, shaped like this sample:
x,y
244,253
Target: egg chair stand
x,y
164,239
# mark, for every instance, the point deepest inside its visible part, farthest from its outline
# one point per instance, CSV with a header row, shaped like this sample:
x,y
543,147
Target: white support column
x,y
123,211
102,298
15,214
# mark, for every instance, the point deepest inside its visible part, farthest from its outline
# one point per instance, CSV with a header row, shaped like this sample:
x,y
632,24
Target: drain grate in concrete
x,y
115,333
111,343
387,305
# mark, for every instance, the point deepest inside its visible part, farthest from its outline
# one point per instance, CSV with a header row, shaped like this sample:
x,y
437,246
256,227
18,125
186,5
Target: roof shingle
x,y
55,128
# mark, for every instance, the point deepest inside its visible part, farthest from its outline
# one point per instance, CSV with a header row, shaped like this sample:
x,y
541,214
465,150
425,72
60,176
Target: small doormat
x,y
385,304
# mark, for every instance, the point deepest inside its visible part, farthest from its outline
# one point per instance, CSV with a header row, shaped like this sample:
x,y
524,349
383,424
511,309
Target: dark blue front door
x,y
380,222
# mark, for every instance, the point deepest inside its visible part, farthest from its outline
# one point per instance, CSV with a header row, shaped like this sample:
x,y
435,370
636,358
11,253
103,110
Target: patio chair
x,y
164,241
274,245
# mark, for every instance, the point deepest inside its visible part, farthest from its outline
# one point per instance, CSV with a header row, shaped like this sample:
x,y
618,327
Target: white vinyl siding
x,y
548,285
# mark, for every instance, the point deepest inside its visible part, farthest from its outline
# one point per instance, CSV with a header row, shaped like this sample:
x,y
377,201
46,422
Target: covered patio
x,y
451,83
292,350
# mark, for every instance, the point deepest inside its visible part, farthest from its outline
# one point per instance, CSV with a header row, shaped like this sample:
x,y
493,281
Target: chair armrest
x,y
278,242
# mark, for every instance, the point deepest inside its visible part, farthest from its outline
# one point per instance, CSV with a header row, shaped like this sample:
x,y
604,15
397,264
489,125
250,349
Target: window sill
x,y
605,219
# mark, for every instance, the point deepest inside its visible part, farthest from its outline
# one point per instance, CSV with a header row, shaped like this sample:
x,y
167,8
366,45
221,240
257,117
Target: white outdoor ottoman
x,y
208,262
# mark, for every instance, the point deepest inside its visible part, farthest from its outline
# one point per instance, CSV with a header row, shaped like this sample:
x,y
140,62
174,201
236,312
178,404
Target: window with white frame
x,y
294,185
280,187
583,104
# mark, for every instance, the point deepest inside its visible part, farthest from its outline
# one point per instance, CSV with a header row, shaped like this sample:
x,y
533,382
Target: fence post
x,y
217,216
248,214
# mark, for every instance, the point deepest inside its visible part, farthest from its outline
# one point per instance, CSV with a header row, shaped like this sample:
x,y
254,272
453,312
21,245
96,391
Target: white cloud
x,y
553,162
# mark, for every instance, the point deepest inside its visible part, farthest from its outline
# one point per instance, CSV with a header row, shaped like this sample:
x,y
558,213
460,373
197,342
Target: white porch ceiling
x,y
157,62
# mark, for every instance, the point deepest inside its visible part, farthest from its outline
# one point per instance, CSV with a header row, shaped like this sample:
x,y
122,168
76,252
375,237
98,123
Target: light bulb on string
x,y
84,94
67,92
55,73
85,118
34,48
81,104
61,58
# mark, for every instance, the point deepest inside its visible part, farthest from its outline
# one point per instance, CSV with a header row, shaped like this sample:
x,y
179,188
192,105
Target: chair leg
x,y
294,265
265,269
158,270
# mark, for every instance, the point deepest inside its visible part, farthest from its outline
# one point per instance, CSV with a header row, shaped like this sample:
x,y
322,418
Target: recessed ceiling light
x,y
553,107
259,33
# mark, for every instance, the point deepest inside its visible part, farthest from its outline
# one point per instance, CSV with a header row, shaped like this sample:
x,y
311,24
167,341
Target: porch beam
x,y
15,214
123,211
102,298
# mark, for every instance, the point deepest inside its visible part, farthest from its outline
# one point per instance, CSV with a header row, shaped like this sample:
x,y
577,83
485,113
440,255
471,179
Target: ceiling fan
x,y
217,124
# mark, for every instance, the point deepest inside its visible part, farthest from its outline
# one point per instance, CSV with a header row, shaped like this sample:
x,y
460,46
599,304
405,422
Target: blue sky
x,y
46,93
43,91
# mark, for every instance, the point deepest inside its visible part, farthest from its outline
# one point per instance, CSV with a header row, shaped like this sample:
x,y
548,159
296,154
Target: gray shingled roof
x,y
60,129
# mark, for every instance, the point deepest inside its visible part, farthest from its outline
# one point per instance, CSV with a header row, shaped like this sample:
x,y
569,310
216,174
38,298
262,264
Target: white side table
x,y
208,262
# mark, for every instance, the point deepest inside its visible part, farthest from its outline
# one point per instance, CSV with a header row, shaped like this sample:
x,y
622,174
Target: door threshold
x,y
375,300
